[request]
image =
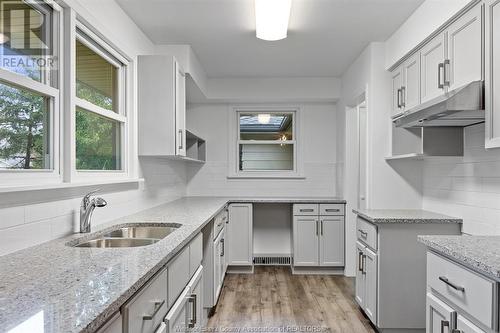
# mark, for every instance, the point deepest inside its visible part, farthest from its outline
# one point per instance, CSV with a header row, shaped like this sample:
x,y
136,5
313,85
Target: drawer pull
x,y
332,210
364,234
193,301
304,210
223,250
451,284
444,323
158,306
360,262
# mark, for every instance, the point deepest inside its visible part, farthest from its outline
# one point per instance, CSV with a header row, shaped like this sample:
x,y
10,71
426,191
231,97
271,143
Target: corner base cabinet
x,y
390,276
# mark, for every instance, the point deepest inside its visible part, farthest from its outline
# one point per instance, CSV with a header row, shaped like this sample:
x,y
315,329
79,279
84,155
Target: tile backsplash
x,y
467,187
28,225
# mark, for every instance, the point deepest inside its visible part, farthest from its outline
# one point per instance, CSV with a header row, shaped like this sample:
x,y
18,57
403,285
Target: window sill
x,y
28,194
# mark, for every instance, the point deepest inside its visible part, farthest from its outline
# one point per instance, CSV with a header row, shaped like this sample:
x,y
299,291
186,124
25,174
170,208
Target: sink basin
x,y
141,232
117,242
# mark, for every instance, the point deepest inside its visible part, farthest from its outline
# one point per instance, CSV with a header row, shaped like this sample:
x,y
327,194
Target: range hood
x,y
457,108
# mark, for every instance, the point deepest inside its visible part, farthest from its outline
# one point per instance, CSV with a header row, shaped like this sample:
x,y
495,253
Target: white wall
x,y
49,216
467,187
423,22
210,121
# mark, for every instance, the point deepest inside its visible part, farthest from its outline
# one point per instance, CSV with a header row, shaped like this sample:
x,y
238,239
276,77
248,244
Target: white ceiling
x,y
324,36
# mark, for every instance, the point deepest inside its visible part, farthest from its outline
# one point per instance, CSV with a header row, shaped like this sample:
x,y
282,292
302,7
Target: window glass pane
x,y
266,157
95,78
24,129
97,142
25,39
266,126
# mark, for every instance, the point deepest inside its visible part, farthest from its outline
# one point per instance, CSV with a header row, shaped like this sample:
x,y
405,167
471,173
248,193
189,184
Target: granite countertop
x,y
479,253
57,288
385,216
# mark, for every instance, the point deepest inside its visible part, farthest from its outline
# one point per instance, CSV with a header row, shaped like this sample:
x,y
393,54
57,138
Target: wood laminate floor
x,y
274,300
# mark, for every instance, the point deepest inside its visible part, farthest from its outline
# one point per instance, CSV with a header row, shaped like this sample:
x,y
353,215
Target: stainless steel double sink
x,y
134,236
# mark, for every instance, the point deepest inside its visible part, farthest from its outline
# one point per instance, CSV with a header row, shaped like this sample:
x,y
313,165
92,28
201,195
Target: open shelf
x,y
195,148
410,156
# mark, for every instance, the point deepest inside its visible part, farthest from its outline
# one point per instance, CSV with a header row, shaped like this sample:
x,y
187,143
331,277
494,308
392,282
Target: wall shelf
x,y
410,156
195,148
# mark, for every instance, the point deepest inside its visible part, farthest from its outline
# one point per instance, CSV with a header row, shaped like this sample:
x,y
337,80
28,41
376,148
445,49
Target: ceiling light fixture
x,y
271,18
264,118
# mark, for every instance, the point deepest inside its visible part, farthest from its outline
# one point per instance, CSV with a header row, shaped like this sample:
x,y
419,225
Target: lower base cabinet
x,y
366,281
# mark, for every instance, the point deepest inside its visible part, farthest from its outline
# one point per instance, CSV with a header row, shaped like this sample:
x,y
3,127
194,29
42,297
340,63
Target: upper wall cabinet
x,y
161,106
492,73
450,60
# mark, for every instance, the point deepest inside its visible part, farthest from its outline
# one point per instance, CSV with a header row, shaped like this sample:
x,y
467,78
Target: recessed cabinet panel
x,y
432,68
411,82
240,234
360,275
180,110
396,84
306,240
440,316
331,241
370,268
492,74
465,50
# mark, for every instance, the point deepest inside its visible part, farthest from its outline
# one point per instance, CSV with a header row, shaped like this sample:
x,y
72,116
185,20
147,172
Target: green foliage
x,y
94,96
96,142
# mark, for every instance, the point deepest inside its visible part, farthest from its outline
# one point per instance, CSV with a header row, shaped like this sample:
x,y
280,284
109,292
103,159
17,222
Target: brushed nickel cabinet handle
x,y
360,261
440,70
304,210
330,210
321,227
446,67
403,97
399,98
223,247
181,144
158,306
192,300
451,284
364,264
364,234
444,323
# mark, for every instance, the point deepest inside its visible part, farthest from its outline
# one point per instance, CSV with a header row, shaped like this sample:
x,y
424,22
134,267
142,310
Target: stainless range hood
x,y
458,108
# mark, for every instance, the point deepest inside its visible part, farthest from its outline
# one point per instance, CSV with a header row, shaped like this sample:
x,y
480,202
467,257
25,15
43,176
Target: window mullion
x,y
98,110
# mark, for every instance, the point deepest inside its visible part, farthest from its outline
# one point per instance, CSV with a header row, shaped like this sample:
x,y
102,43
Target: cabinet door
x,y
465,49
492,77
411,82
223,257
440,317
465,326
306,241
396,84
195,301
370,271
180,110
331,250
240,234
360,276
432,68
114,325
217,267
177,318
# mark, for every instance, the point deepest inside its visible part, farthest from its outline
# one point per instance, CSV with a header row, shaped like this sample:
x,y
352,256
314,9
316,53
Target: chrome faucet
x,y
87,208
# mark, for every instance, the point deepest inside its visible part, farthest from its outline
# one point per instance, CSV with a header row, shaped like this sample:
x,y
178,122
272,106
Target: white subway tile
x,y
23,236
10,217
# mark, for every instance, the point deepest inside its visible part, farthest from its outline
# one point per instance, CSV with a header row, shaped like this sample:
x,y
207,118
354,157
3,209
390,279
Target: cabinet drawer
x,y
195,254
473,293
305,209
331,209
150,301
178,276
366,233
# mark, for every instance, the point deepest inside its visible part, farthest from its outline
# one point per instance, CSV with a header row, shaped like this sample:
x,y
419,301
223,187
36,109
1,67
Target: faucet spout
x,y
87,208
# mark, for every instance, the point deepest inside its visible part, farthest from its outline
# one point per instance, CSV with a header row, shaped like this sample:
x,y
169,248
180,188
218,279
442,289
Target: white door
x,y
331,242
492,71
177,318
360,276
433,55
397,83
180,110
195,301
465,49
370,271
465,326
411,82
240,235
305,240
439,315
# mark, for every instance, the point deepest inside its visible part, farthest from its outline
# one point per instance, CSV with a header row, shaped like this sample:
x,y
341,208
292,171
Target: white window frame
x,y
51,90
234,142
90,39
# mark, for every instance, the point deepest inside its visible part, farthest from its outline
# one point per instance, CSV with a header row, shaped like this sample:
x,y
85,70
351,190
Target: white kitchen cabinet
x,y
305,240
366,281
331,242
360,279
396,84
196,300
162,106
114,325
433,56
177,319
410,91
465,326
492,73
178,275
318,240
219,272
240,235
465,49
440,316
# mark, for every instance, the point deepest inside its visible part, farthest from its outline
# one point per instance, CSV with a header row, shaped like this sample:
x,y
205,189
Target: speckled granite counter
x,y
384,216
57,288
479,253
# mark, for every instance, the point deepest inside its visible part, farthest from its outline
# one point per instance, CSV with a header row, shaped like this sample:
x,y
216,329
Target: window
x,y
100,114
266,143
29,94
